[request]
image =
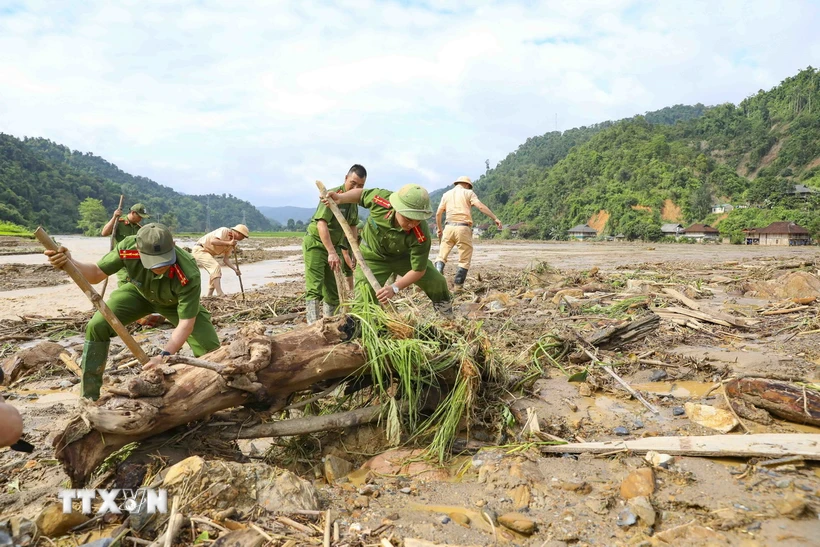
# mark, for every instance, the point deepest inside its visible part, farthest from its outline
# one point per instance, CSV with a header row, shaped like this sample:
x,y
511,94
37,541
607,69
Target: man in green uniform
x,y
164,279
126,226
322,247
396,240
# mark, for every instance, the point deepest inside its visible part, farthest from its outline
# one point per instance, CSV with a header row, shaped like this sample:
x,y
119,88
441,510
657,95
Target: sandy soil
x,y
573,500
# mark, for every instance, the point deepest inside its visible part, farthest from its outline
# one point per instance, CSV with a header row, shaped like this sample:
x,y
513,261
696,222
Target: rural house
x,y
515,227
672,230
722,208
582,232
778,233
701,232
802,191
480,230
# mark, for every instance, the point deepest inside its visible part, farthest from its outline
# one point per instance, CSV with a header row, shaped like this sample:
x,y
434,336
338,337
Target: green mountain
x,y
42,182
670,166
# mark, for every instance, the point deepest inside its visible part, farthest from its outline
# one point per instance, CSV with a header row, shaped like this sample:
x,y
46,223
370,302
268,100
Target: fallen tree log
x,y
786,400
743,446
255,368
614,337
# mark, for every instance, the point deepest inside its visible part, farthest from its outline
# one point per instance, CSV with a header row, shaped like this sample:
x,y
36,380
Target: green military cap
x,y
412,201
139,208
156,246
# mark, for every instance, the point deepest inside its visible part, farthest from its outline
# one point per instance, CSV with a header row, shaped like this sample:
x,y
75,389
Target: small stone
x,y
784,483
637,424
792,506
405,490
638,483
711,417
678,411
658,375
336,468
621,431
393,516
659,460
584,390
520,496
642,508
517,523
480,503
289,493
188,467
626,518
754,527
65,384
444,519
460,518
102,542
52,522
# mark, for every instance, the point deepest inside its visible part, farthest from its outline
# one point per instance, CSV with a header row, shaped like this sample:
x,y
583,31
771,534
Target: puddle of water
x,y
802,428
475,518
678,390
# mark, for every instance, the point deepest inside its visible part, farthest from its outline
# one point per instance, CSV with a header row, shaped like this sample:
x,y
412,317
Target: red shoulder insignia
x,y
381,202
176,271
129,254
419,234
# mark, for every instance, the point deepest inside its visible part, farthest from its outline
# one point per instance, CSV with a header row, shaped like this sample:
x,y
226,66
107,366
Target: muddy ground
x,y
522,293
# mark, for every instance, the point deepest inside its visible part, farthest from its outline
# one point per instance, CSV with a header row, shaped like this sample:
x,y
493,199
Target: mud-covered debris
x,y
640,482
790,285
793,506
52,522
517,523
692,533
241,538
642,508
30,360
289,493
405,462
336,468
711,417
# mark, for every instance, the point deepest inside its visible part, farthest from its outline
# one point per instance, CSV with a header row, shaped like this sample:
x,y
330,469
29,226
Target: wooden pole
x,y
111,244
354,244
238,274
95,298
341,288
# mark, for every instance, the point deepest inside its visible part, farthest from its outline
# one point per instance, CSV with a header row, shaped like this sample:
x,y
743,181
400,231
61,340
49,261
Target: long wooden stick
x,y
238,274
354,244
341,288
111,244
95,298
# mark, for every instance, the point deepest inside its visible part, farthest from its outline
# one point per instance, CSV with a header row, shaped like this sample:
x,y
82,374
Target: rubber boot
x,y
439,266
328,310
461,276
95,354
445,309
312,309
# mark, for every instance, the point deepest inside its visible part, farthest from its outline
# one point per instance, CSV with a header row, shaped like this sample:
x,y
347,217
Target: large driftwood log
x,y
260,368
792,402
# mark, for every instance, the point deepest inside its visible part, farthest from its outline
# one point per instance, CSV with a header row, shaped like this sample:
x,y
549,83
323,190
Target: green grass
x,y
10,229
196,235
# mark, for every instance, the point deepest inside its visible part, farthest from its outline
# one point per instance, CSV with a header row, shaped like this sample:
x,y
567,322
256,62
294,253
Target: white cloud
x,y
260,99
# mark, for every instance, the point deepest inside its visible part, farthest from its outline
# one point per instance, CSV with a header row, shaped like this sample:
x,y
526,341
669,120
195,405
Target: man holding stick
x,y
396,240
322,247
164,279
211,246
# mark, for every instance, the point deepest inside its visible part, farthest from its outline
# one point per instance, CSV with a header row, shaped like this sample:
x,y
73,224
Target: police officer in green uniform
x,y
164,279
396,240
126,226
322,248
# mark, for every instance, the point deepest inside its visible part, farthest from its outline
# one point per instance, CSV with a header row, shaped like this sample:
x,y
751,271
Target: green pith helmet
x,y
412,201
139,208
156,246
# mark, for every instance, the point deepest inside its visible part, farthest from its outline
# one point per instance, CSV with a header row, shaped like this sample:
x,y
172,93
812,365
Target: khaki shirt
x,y
457,203
383,238
207,241
179,287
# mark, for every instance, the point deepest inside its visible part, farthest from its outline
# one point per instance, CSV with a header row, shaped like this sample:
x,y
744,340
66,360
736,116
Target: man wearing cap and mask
x,y
458,204
127,225
322,247
164,279
396,240
212,245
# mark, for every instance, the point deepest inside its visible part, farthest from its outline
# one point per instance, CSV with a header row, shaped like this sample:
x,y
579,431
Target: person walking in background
x,y
324,244
127,225
219,243
457,204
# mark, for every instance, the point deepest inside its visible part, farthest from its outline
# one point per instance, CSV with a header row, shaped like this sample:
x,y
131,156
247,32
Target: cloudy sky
x,y
259,99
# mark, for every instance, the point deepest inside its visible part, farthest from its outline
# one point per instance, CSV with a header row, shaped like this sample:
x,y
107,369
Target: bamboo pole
x,y
71,269
112,243
238,274
354,244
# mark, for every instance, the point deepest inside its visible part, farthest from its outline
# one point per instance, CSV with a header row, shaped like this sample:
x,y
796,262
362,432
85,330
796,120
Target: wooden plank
x,y
743,446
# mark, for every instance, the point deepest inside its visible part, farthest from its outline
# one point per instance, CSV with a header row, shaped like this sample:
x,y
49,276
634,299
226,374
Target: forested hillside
x,y
42,182
670,166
